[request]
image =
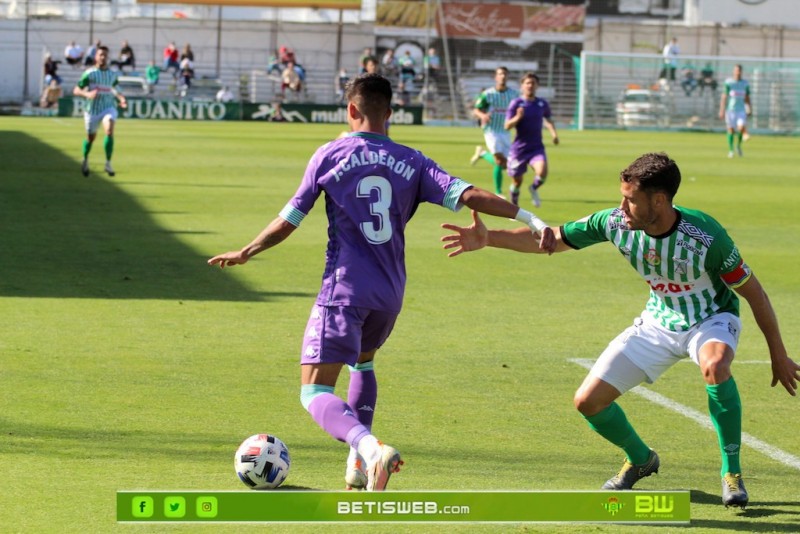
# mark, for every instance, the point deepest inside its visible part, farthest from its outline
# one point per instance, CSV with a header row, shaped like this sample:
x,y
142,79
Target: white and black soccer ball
x,y
262,462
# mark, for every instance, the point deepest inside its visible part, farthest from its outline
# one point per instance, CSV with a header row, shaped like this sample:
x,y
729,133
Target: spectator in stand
x,y
389,68
290,78
341,84
688,79
707,79
126,57
88,59
433,65
151,75
407,70
187,52
171,59
277,113
73,54
371,66
364,57
51,94
277,63
670,53
286,55
224,95
51,69
187,73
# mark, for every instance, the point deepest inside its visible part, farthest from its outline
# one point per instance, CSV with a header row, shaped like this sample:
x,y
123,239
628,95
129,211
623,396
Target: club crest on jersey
x,y
652,258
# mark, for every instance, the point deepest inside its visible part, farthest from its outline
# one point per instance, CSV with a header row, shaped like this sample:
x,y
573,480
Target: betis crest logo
x,y
613,506
652,258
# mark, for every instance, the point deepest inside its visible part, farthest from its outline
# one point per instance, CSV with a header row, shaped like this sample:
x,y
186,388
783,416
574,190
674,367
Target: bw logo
x,y
660,504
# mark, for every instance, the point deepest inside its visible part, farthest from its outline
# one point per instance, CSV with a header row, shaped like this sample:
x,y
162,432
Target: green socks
x,y
108,144
497,176
612,424
726,414
730,141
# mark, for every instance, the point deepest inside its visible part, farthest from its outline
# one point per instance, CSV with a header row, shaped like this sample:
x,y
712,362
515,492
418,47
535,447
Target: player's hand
x,y
787,372
555,140
91,94
123,103
234,257
547,240
466,238
520,113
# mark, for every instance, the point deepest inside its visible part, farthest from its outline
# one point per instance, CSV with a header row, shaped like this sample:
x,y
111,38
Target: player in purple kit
x,y
372,188
527,114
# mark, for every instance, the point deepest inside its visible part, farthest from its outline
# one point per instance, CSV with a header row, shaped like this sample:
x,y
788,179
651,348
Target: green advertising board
x,y
145,108
662,507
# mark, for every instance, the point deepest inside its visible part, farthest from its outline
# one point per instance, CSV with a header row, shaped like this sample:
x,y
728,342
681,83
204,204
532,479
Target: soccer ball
x,y
262,462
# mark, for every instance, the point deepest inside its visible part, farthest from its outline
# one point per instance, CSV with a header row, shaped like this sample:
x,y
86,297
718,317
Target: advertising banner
x,y
218,111
474,20
662,507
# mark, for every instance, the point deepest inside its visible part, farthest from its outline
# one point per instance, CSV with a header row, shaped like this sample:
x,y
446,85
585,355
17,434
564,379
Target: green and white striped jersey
x,y
691,270
496,103
737,91
105,81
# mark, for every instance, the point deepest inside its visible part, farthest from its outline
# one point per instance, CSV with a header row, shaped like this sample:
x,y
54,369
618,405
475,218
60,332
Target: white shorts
x,y
93,121
736,119
498,142
645,350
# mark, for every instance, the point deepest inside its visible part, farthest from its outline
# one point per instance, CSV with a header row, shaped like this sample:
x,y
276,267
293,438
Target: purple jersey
x,y
372,188
529,129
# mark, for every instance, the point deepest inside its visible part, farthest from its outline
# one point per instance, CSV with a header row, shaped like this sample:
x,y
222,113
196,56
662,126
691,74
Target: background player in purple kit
x,y
372,188
527,114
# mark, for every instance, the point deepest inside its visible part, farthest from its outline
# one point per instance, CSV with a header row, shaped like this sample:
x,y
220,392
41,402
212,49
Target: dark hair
x,y
371,94
501,67
104,48
653,172
530,75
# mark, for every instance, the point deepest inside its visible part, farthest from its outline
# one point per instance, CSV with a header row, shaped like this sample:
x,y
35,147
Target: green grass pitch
x,y
127,363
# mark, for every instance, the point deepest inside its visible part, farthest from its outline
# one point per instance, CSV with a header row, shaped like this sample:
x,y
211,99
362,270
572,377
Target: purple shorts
x,y
339,334
518,163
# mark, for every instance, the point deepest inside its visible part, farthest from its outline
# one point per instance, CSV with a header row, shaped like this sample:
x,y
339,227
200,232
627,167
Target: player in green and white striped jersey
x,y
734,107
695,272
99,86
490,110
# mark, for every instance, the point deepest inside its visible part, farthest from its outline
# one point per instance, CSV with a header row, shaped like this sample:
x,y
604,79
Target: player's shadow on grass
x,y
750,519
66,236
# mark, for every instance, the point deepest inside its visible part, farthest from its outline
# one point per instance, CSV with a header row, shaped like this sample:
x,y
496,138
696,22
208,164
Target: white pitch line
x,y
703,420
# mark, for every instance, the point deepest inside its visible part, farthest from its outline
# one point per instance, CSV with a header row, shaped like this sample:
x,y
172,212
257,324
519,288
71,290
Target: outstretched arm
x,y
477,236
784,369
480,200
278,230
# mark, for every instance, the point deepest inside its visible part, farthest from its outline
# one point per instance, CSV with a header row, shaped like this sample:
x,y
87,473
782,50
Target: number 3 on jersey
x,y
379,229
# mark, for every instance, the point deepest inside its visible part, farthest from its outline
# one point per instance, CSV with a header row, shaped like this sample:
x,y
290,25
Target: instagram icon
x,y
206,507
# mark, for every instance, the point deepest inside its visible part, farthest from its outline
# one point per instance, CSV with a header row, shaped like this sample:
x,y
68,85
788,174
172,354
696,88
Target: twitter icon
x,y
174,507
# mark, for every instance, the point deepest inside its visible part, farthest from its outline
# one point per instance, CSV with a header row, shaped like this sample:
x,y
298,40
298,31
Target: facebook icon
x,y
142,507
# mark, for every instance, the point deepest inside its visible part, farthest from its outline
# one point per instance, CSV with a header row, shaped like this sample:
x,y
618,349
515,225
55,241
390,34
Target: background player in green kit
x,y
734,107
490,110
695,272
98,85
